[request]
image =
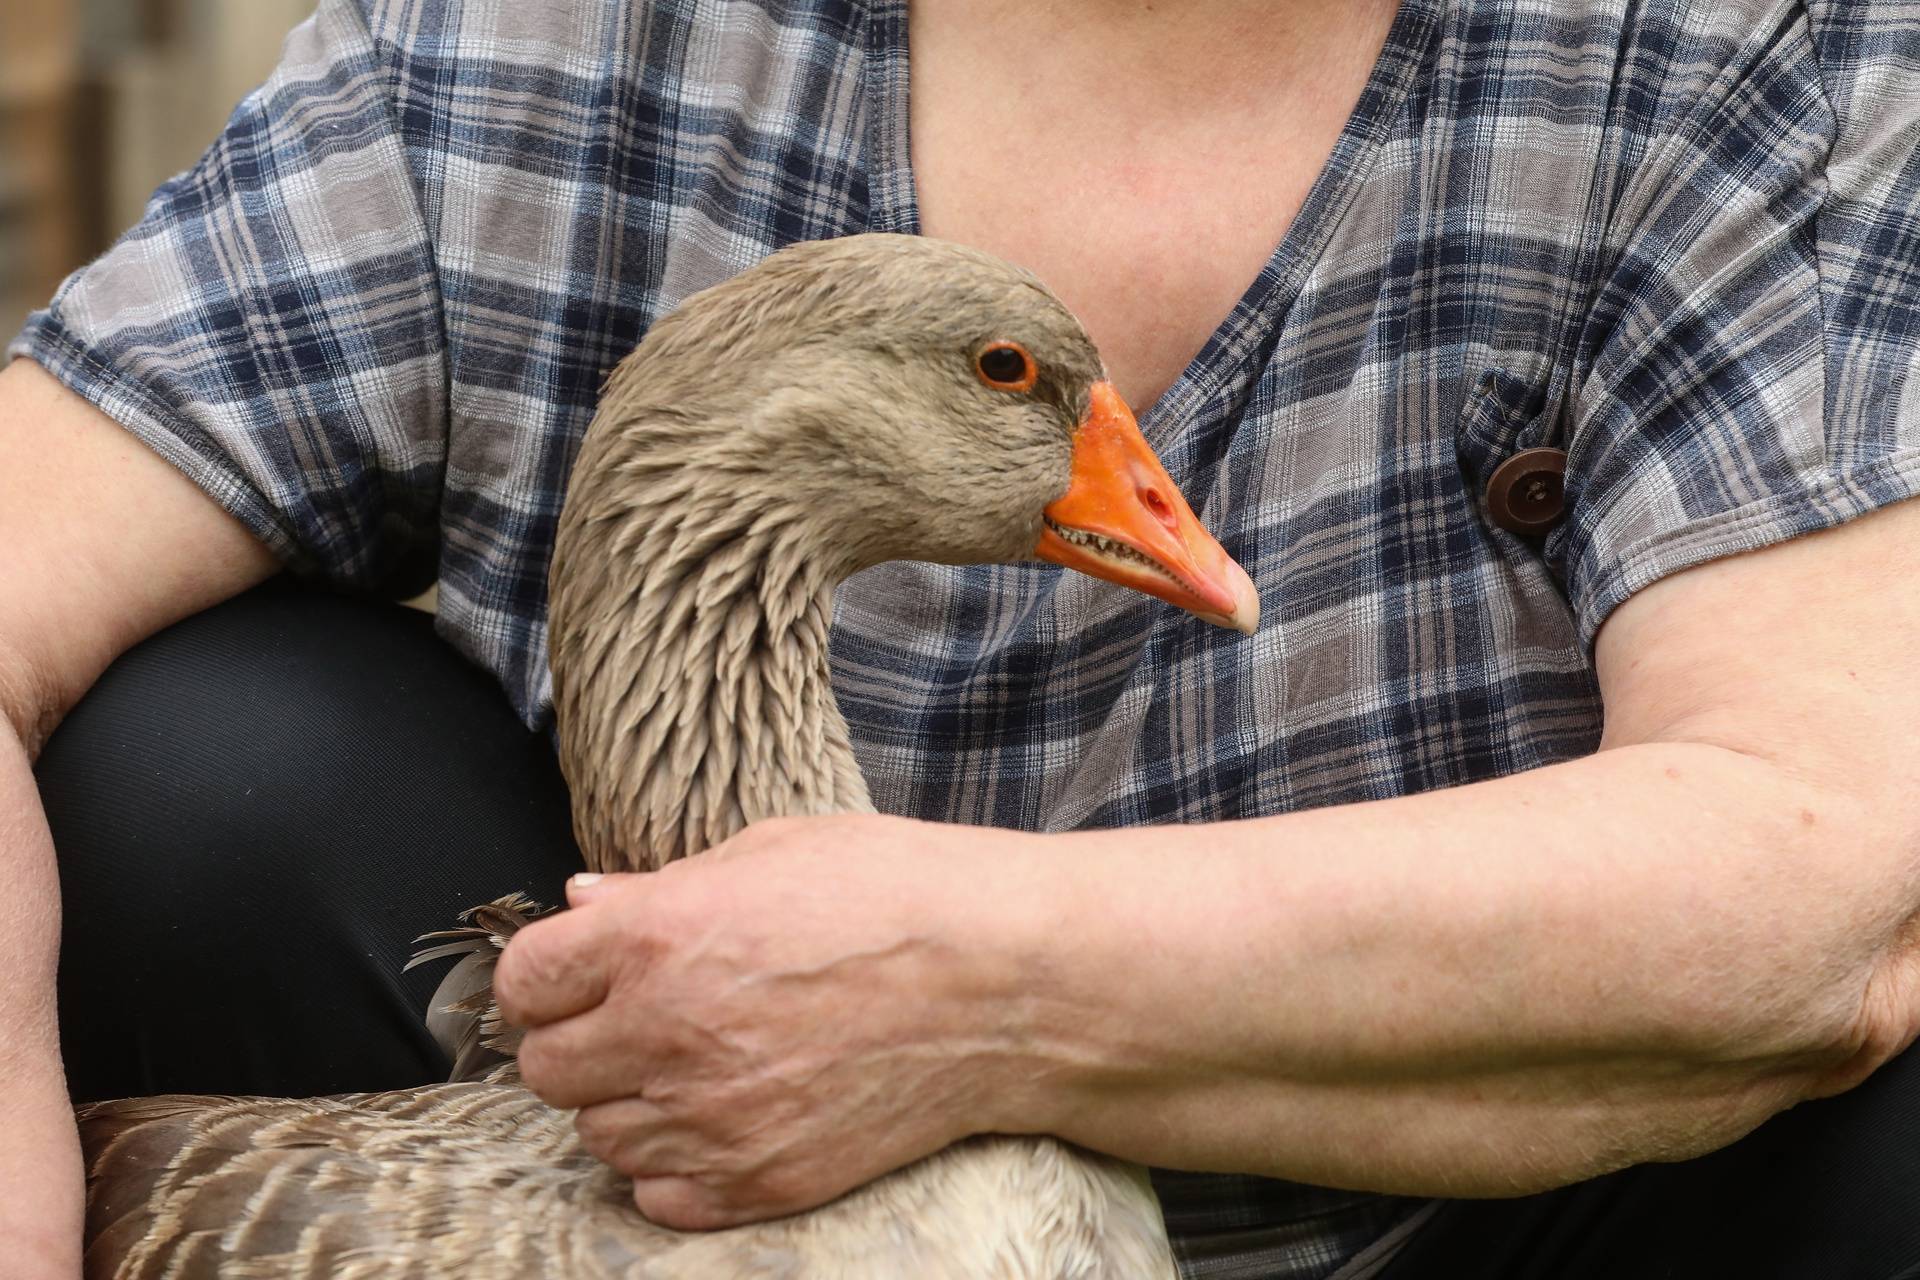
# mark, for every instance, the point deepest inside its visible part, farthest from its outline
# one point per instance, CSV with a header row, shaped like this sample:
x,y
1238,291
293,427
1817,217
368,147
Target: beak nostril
x,y
1122,519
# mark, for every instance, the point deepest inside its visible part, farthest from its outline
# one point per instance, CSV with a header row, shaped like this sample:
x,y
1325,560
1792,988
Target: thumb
x,y
591,886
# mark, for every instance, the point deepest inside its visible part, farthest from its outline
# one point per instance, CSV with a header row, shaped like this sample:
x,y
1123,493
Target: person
x,y
1441,928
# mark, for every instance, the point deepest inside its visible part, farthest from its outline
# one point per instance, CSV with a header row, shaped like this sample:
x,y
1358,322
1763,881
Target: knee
x,y
254,814
218,757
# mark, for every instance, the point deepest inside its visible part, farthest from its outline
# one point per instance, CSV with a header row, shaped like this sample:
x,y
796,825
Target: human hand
x,y
762,1028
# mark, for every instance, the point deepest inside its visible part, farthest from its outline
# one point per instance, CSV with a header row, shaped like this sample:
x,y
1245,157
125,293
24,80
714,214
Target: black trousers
x,y
257,810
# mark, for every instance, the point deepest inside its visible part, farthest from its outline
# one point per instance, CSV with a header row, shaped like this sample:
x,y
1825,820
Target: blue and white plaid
x,y
1679,239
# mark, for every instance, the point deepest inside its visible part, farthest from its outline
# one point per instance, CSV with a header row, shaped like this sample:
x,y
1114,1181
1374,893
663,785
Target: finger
x,y
556,967
582,1060
591,886
634,1136
684,1205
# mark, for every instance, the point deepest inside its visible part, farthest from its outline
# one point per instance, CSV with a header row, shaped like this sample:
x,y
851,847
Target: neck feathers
x,y
689,650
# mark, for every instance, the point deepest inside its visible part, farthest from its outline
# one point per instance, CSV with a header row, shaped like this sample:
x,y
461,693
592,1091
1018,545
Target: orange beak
x,y
1122,519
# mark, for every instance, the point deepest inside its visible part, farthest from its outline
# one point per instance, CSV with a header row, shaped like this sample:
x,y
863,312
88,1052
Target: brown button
x,y
1526,494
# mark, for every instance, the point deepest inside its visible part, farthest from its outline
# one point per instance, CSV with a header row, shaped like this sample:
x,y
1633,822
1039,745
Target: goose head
x,y
885,397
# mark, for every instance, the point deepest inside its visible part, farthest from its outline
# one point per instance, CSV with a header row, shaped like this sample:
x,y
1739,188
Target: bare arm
x,y
102,543
1635,956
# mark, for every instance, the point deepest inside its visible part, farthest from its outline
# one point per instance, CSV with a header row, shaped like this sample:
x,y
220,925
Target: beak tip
x,y
1245,614
1244,617
1245,621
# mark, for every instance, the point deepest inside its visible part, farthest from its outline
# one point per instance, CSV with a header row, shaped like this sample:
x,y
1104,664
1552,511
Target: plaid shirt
x,y
1678,239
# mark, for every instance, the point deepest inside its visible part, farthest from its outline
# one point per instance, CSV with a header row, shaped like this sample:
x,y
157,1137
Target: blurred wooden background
x,y
100,102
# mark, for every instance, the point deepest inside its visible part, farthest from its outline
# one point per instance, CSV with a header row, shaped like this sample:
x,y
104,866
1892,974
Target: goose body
x,y
839,405
484,1180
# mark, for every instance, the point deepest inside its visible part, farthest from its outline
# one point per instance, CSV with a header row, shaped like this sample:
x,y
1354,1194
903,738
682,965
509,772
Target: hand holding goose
x,y
820,1001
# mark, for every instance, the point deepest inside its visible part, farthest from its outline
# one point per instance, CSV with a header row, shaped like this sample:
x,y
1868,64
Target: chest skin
x,y
1143,157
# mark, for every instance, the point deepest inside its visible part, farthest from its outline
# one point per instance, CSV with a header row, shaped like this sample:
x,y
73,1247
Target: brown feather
x,y
462,1016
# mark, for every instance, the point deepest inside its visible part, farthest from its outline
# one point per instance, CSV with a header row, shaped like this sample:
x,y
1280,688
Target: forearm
x,y
102,542
1494,988
40,1172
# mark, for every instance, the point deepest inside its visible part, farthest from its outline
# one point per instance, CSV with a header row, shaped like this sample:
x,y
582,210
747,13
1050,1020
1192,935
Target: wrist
x,y
40,1254
1126,1006
1040,933
42,1191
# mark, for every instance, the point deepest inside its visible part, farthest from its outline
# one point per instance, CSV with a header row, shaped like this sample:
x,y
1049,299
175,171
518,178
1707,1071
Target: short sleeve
x,y
1743,376
273,325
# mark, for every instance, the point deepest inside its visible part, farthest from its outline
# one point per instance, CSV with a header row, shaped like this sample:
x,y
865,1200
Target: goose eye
x,y
1006,366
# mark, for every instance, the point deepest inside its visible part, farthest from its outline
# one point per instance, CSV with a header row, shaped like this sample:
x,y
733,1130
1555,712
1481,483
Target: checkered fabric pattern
x,y
1679,239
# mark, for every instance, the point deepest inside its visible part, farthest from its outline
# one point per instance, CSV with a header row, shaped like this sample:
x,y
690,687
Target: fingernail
x,y
586,878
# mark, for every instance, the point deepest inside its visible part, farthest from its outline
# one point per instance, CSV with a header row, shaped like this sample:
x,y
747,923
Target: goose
x,y
842,403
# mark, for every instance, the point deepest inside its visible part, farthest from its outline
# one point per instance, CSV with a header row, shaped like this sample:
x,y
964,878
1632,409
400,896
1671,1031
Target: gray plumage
x,y
812,416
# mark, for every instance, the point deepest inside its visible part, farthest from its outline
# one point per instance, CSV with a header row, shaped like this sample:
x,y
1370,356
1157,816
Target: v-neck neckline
x,y
1223,364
